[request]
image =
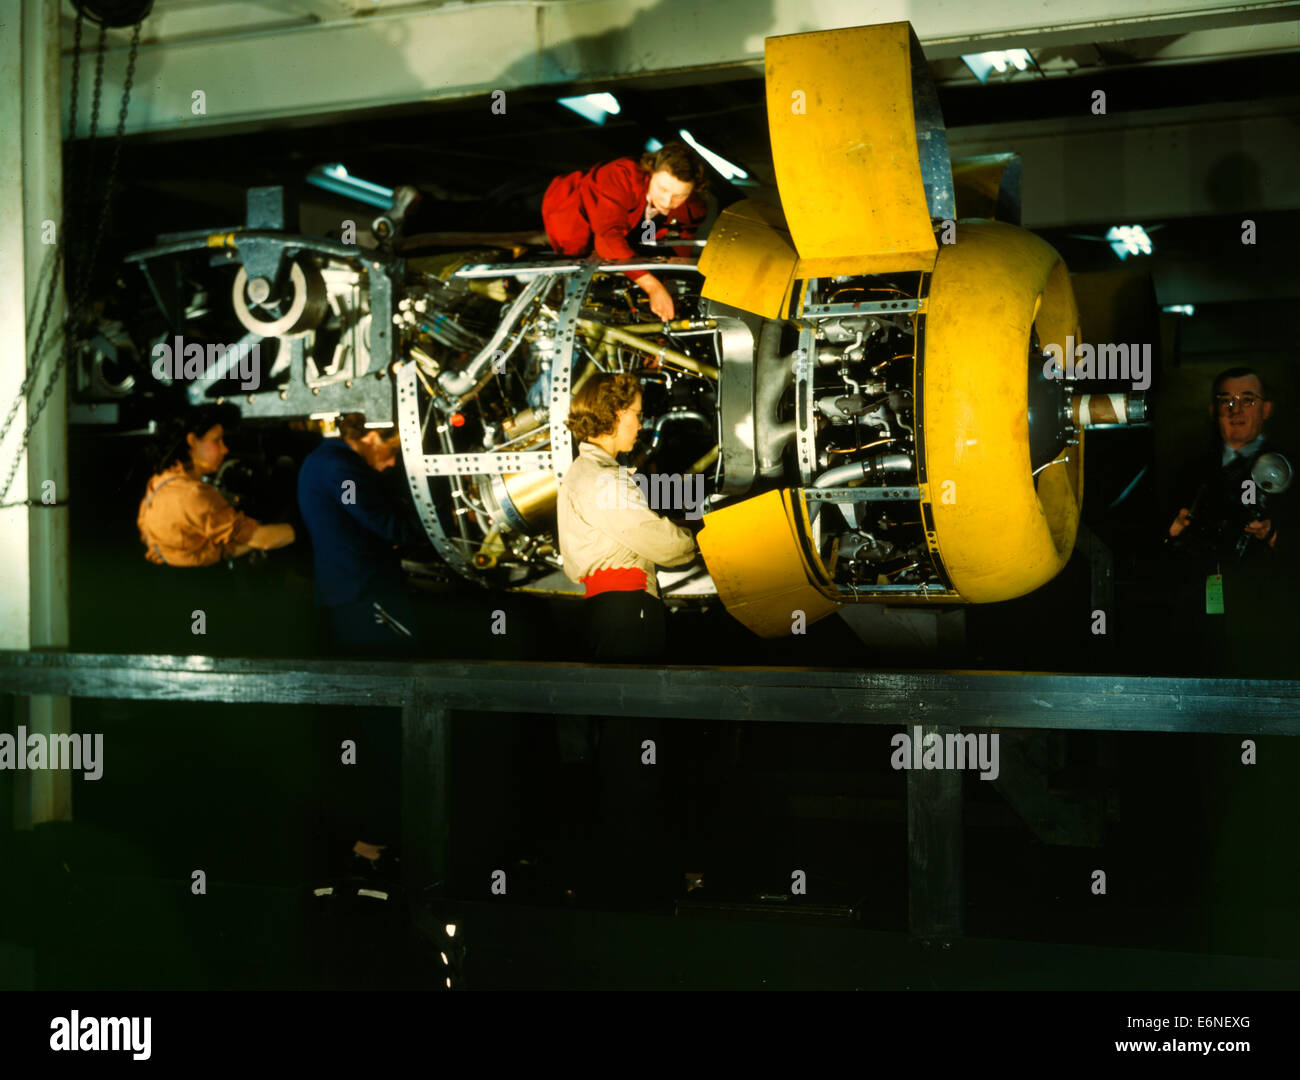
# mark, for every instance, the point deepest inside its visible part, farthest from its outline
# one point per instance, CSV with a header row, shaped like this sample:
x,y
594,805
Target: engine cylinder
x,y
527,500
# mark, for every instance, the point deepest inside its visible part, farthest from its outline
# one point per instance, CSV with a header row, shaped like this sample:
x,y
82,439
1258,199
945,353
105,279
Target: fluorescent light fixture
x,y
1180,309
335,178
725,168
1126,240
593,107
981,64
652,144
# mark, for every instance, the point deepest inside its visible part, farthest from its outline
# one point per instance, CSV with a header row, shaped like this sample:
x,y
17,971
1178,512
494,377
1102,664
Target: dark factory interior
x,y
1123,749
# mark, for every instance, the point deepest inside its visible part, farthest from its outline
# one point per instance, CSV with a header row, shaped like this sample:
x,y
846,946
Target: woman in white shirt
x,y
610,539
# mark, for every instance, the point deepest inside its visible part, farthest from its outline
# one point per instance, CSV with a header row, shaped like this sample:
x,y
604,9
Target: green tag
x,y
1214,594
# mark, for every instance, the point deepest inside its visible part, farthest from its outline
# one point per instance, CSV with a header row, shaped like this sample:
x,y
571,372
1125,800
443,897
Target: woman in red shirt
x,y
599,207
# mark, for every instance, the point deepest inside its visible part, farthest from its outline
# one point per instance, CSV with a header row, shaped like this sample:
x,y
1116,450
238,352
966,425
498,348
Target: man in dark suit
x,y
355,527
1228,526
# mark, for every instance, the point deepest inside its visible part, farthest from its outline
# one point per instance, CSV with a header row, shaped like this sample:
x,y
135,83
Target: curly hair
x,y
680,161
595,407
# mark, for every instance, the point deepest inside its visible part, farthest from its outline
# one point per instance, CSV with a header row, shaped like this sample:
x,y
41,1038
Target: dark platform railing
x,y
428,692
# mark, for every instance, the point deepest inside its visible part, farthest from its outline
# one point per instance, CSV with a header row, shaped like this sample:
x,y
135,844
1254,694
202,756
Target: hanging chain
x,y
112,164
81,221
77,316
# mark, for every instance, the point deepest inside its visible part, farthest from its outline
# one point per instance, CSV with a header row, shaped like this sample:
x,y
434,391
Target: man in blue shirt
x,y
355,527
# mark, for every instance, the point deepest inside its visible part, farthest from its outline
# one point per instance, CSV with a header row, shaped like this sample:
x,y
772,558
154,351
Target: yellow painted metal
x,y
704,462
999,536
749,260
839,112
977,182
885,263
753,553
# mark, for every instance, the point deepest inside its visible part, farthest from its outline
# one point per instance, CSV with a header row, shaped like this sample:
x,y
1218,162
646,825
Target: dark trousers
x,y
355,628
627,627
358,799
622,627
630,831
362,800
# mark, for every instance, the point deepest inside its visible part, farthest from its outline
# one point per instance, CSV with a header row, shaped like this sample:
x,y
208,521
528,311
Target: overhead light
x,y
652,144
593,107
982,64
725,168
1180,309
1126,240
450,929
335,178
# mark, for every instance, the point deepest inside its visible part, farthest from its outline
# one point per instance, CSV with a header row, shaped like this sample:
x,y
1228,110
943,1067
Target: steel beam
x,y
426,791
259,69
935,887
967,700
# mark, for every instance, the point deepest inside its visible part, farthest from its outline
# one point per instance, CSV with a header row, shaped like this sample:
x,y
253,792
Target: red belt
x,y
622,579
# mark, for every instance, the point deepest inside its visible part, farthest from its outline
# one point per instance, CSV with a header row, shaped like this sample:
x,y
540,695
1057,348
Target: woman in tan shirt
x,y
610,539
184,521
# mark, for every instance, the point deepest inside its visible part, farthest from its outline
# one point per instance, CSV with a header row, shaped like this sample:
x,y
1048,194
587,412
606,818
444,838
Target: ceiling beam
x,y
251,74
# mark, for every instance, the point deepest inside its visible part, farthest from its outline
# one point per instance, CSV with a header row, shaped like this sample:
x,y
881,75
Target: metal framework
x,y
428,693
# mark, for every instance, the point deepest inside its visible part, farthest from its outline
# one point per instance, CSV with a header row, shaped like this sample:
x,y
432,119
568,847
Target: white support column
x,y
33,540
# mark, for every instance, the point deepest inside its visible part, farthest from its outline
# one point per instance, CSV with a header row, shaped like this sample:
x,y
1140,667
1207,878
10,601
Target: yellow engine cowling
x,y
998,533
845,154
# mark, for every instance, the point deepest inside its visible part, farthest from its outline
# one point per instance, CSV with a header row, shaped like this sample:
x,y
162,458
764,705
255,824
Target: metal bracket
x,y
861,494
566,326
408,424
804,405
486,464
865,307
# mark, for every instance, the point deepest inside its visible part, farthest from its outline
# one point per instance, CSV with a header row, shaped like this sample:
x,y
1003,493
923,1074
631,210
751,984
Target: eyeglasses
x,y
1228,402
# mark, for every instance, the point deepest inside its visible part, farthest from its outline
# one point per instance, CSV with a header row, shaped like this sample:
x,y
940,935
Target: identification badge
x,y
1214,594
